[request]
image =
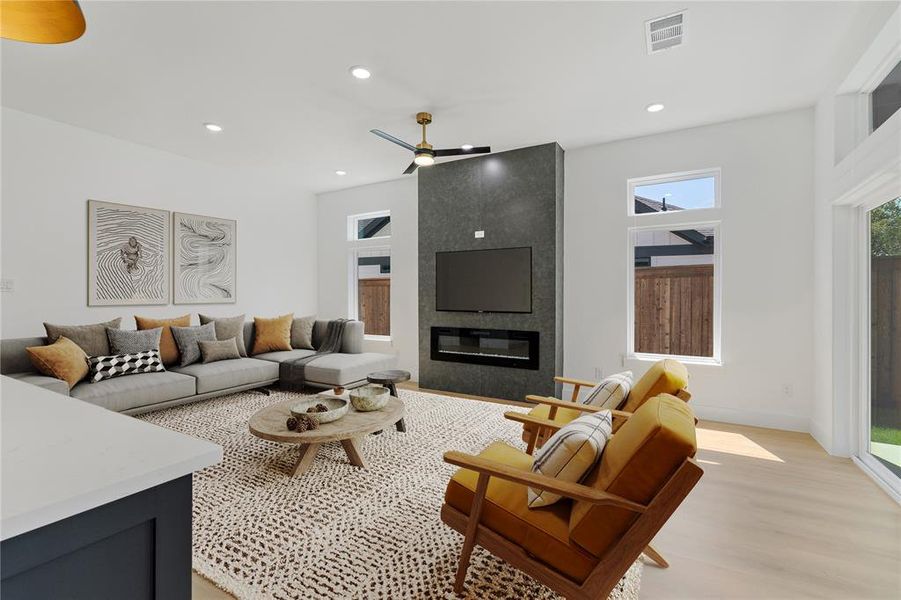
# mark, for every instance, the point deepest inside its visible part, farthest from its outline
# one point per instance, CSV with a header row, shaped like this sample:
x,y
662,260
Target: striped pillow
x,y
611,392
571,453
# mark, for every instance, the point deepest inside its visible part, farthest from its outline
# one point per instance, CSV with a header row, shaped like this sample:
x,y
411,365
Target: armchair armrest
x,y
576,491
571,381
529,419
553,402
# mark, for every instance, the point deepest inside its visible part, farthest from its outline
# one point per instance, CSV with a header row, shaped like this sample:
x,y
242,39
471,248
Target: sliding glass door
x,y
881,443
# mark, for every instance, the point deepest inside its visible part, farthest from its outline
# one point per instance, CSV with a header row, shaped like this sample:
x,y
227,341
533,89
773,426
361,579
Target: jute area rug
x,y
338,531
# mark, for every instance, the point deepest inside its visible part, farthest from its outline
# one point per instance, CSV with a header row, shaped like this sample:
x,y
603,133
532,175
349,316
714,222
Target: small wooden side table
x,y
389,379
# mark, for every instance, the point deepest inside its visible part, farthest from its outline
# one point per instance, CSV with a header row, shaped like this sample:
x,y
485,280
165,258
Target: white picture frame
x,y
204,259
128,255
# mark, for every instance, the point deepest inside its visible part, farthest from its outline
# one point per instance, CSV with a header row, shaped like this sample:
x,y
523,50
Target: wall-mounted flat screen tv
x,y
498,280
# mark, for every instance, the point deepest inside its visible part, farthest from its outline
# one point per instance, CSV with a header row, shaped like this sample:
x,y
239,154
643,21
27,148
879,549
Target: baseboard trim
x,y
752,418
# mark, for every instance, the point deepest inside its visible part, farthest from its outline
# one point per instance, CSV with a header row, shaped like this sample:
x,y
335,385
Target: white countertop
x,y
61,456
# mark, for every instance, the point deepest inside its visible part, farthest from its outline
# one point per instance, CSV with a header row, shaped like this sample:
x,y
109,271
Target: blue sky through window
x,y
689,193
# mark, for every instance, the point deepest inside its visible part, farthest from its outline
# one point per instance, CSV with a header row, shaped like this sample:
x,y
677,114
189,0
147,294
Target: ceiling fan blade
x,y
411,168
461,151
391,138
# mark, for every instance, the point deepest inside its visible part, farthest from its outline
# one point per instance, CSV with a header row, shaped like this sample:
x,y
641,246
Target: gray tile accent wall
x,y
516,197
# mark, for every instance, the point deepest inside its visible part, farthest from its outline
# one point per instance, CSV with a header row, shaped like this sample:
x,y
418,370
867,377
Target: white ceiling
x,y
274,75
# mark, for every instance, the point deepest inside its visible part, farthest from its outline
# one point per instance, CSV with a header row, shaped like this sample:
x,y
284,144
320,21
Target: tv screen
x,y
484,280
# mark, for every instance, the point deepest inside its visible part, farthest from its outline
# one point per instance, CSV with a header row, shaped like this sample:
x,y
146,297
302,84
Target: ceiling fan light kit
x,y
423,153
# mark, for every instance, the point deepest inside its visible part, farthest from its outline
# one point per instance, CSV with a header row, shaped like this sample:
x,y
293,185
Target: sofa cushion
x,y
91,338
120,365
225,374
272,335
123,393
284,355
124,341
666,376
188,338
63,359
50,383
543,533
302,333
219,350
344,369
638,460
168,347
228,327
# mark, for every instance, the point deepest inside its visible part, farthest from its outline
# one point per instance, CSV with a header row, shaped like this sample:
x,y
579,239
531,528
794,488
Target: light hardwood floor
x,y
773,517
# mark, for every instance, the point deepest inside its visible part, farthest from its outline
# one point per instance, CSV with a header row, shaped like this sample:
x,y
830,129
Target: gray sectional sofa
x,y
135,394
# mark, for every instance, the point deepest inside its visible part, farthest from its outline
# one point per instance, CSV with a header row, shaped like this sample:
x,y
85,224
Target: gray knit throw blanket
x,y
291,373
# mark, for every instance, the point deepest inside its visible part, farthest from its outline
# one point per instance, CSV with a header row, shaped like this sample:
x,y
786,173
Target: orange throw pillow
x,y
168,349
272,335
63,359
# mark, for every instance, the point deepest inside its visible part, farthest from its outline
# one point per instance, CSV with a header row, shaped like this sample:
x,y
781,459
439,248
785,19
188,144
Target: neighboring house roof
x,y
646,205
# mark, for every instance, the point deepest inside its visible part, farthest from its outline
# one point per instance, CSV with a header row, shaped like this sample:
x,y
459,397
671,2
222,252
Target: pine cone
x,y
302,424
291,423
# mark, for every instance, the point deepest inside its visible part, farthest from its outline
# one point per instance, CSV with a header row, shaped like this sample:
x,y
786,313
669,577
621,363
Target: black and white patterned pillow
x,y
107,367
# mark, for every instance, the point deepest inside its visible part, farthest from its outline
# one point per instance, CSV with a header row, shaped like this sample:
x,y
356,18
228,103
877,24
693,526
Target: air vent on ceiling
x,y
666,32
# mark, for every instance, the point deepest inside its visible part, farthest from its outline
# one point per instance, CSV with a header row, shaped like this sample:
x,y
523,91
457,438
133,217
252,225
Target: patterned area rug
x,y
338,531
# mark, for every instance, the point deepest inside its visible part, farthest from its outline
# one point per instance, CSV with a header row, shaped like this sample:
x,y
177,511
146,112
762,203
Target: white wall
x,y
766,377
50,170
853,168
400,197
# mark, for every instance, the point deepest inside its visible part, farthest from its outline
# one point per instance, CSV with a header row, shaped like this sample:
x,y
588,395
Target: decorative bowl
x,y
369,397
337,408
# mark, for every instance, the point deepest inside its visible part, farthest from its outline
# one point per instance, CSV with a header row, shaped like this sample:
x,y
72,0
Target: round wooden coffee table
x,y
269,424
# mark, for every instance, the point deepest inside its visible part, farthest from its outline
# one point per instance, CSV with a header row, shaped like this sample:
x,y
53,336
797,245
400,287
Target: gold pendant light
x,y
41,21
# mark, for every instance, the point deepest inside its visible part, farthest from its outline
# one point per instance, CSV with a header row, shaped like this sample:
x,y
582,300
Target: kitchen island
x,y
93,504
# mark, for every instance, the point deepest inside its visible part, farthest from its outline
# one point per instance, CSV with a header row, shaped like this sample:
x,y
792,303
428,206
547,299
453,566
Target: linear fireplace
x,y
498,347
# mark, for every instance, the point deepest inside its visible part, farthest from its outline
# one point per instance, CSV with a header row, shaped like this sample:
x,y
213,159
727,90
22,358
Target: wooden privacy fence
x,y
374,296
674,310
885,341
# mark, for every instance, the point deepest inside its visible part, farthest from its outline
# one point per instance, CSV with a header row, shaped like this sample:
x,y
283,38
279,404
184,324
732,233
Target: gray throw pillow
x,y
227,328
90,338
218,350
187,339
302,333
123,341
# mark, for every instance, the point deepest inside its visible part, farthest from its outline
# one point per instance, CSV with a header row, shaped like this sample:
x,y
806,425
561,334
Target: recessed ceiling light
x,y
213,127
360,72
466,146
340,172
656,107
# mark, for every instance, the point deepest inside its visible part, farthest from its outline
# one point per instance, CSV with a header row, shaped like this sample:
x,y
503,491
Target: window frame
x,y
353,229
634,182
355,247
717,226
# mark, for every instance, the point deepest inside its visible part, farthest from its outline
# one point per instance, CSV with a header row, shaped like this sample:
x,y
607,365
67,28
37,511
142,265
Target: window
x,y
885,100
674,193
370,226
674,269
369,272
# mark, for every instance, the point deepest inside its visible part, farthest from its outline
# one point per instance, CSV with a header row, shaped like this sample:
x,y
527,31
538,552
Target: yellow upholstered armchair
x,y
667,376
581,546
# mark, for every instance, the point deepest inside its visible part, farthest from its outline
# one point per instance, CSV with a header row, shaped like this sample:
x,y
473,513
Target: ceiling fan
x,y
423,153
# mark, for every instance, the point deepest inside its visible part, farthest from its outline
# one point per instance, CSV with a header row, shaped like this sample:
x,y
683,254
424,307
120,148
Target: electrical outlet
x,y
788,390
7,286
480,234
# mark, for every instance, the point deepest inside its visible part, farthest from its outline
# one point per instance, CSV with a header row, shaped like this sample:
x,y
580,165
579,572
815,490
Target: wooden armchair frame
x,y
615,561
